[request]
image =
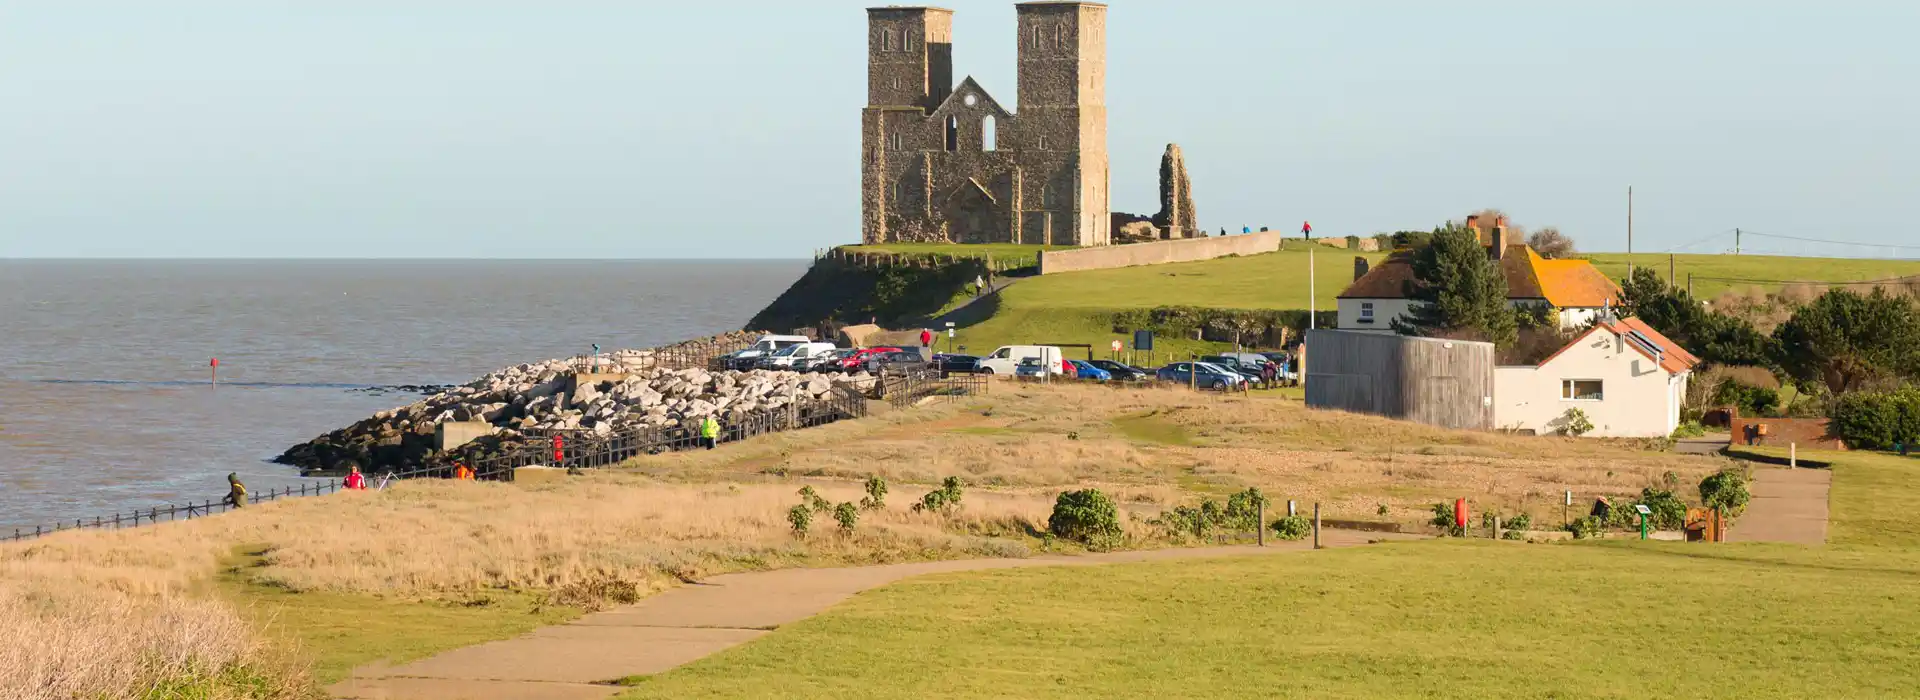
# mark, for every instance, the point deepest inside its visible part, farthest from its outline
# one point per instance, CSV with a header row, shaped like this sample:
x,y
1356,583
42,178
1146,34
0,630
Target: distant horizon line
x,y
801,258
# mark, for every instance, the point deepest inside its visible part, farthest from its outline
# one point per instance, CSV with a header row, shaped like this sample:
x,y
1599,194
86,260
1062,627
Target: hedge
x,y
1877,420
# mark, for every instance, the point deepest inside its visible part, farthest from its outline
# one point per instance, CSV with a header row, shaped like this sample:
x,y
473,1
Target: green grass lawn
x,y
1078,307
1765,267
338,632
1612,619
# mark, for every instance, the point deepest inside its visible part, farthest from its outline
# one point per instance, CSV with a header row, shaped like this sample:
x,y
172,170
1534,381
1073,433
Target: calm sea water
x,y
105,403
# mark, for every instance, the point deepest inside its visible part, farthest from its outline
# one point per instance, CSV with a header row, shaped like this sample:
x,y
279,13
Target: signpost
x,y
1642,509
213,372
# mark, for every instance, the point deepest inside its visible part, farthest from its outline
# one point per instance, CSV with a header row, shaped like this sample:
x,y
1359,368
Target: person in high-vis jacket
x,y
236,491
709,432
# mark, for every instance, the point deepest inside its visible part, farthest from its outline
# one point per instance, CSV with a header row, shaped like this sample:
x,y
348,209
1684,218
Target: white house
x,y
1573,287
1627,378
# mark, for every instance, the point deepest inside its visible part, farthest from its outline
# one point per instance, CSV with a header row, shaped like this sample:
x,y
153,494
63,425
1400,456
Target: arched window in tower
x,y
906,40
953,133
886,40
1034,43
896,141
1060,37
987,137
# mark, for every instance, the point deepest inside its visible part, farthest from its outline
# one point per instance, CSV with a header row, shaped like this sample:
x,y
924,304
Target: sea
x,y
109,402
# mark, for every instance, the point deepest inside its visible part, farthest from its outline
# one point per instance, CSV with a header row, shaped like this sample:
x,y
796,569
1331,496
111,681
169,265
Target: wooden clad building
x,y
1447,383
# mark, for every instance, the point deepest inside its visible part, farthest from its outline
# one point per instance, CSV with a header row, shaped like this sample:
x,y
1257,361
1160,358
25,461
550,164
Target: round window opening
x,y
970,100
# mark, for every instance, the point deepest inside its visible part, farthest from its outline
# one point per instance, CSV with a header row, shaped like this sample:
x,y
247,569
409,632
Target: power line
x,y
1830,242
1848,283
1698,241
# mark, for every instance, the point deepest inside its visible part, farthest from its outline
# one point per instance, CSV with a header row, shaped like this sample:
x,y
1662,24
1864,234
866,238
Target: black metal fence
x,y
908,388
580,451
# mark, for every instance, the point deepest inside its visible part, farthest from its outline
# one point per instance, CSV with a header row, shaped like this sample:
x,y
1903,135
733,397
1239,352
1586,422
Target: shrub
x,y
800,518
1689,429
1574,423
876,493
1877,420
1443,521
1586,528
944,499
1084,516
1726,490
1520,522
1292,527
811,499
847,515
1189,520
1243,510
1750,400
1669,512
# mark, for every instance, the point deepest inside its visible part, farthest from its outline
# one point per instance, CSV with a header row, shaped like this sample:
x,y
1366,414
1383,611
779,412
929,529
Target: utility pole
x,y
1629,232
1671,280
1736,241
1313,302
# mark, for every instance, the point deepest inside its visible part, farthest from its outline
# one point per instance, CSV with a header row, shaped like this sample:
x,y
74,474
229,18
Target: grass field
x,y
1616,619
1078,307
1761,267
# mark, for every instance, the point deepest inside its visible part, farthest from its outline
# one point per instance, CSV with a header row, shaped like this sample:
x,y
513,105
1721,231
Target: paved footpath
x,y
682,625
1789,505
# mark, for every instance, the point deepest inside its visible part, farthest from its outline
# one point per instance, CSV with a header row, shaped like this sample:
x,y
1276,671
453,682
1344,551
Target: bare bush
x,y
1549,242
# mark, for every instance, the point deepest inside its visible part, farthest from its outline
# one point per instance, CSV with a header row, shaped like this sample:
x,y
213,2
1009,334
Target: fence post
x,y
1260,523
1316,525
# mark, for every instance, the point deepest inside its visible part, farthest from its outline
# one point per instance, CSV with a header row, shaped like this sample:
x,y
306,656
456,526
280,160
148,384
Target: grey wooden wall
x,y
1448,383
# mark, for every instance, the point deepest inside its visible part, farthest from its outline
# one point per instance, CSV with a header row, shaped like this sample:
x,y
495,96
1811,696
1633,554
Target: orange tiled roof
x,y
1673,358
1562,283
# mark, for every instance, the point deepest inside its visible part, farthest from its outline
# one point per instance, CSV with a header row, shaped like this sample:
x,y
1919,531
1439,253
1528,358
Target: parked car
x,y
1250,371
1204,374
895,362
1123,372
858,360
950,363
1087,371
830,362
766,345
1004,360
788,357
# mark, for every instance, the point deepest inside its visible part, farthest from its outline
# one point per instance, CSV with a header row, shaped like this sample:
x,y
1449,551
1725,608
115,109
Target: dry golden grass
x,y
616,536
1162,446
65,642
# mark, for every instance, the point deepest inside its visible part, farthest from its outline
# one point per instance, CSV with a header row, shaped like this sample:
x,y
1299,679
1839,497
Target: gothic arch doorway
x,y
971,214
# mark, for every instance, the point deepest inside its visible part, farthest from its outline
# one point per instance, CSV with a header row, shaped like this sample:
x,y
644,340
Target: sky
x,y
621,129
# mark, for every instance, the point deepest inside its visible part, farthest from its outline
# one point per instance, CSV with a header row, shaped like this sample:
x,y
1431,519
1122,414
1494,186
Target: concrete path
x,y
575,661
1711,443
1789,505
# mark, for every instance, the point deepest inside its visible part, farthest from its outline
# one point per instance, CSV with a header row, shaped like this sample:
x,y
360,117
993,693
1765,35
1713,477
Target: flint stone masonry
x,y
1176,218
941,163
1158,252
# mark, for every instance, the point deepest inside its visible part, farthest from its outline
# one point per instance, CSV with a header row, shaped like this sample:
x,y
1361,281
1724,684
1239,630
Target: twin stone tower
x,y
947,163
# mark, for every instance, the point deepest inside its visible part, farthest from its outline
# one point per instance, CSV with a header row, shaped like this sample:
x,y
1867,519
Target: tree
x,y
1846,340
1464,293
1713,337
1550,243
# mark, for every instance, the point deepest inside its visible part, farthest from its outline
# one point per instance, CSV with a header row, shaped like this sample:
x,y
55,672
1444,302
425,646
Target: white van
x,y
795,355
1004,361
766,345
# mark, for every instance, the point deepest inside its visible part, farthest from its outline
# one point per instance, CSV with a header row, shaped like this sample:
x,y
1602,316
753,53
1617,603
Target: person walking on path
x,y
709,431
1269,372
355,481
236,491
979,285
926,341
462,472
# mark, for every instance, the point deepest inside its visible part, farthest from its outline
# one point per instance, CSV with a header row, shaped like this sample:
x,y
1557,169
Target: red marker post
x,y
1460,513
213,371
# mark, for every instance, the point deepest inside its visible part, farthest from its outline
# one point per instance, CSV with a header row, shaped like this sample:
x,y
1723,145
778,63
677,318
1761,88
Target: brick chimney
x,y
1473,224
1359,267
1500,238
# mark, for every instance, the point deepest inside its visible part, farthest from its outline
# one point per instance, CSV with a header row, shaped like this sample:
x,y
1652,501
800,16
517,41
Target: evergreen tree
x,y
1847,340
1461,291
1713,337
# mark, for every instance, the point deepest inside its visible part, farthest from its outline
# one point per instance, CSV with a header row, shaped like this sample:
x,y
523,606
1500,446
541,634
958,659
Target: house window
x,y
1366,312
1581,390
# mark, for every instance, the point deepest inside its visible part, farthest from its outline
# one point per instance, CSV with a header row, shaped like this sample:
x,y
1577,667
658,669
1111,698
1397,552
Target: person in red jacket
x,y
926,338
356,482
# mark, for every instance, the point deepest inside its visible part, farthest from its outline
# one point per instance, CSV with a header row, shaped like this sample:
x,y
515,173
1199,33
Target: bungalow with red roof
x,y
1573,287
1625,377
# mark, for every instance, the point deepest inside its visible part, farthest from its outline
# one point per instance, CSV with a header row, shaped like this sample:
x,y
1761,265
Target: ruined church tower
x,y
947,163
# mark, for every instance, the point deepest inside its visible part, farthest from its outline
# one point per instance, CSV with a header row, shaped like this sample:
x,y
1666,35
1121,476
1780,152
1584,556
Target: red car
x,y
858,360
